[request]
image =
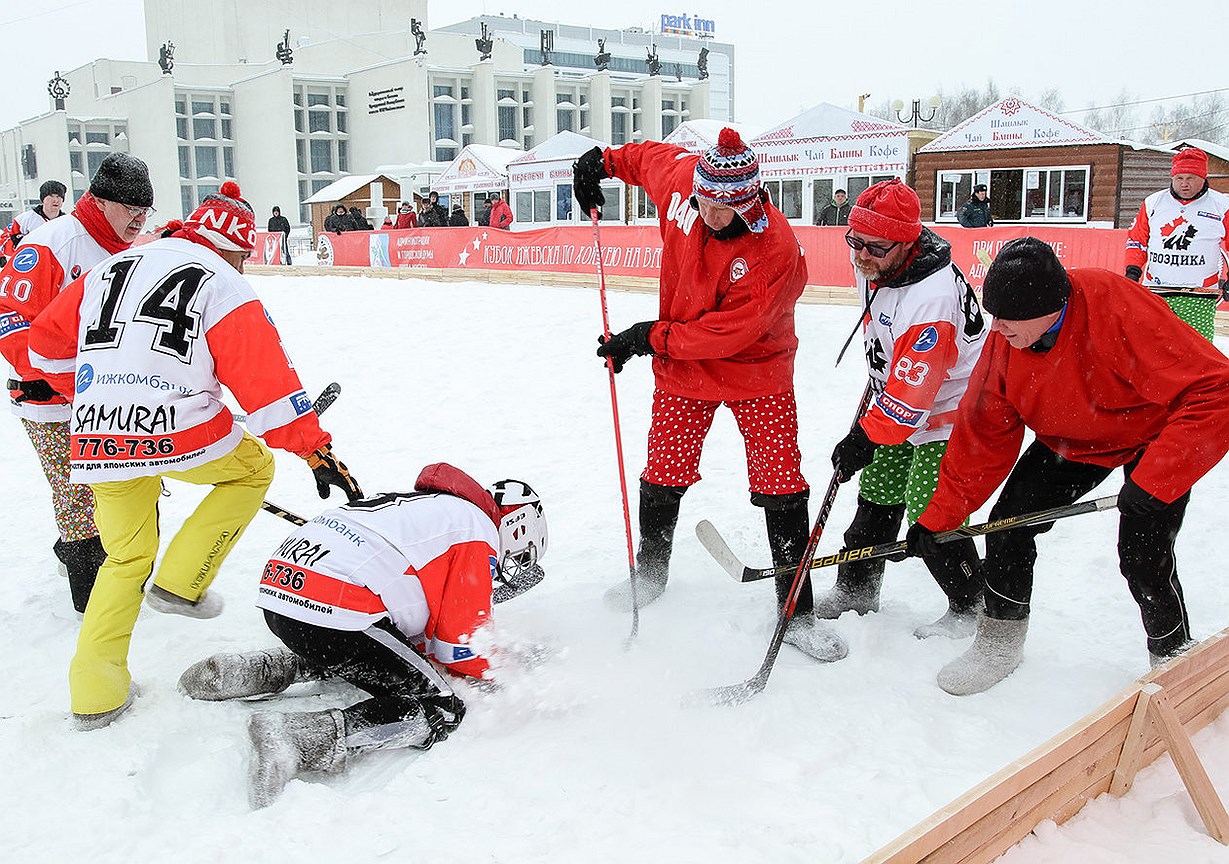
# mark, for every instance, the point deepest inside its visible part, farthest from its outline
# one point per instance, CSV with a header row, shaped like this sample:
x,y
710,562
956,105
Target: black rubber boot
x,y
659,515
789,528
858,582
81,558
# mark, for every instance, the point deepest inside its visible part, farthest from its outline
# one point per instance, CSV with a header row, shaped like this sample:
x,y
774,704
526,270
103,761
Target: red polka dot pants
x,y
769,426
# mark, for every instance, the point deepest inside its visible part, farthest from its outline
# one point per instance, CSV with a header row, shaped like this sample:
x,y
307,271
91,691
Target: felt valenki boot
x,y
995,653
238,676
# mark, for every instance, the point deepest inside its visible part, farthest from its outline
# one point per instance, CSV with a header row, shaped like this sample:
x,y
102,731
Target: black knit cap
x,y
52,187
123,179
1025,282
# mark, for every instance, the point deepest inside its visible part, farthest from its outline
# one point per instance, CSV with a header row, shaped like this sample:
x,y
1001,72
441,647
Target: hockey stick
x,y
712,540
735,694
614,407
326,398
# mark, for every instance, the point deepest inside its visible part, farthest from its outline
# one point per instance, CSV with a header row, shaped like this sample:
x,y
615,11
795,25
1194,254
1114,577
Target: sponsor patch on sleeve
x,y
301,403
460,652
904,414
26,259
11,323
926,340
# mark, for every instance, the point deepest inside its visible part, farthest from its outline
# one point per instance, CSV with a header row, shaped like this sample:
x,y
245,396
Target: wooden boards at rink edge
x,y
1100,753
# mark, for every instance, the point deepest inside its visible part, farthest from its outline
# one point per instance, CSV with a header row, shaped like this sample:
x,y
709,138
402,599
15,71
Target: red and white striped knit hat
x,y
729,174
224,220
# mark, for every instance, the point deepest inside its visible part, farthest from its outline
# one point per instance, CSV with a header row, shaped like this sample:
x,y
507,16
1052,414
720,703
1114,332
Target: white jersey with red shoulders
x,y
51,256
1178,244
923,334
146,341
424,560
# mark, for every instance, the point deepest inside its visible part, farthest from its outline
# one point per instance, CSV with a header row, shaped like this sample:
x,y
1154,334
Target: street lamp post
x,y
916,117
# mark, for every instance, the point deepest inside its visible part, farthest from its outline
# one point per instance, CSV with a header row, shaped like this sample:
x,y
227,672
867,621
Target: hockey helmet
x,y
522,538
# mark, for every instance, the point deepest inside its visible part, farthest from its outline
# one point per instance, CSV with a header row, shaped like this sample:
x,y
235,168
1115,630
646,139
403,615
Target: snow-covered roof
x,y
478,167
563,145
829,121
339,189
1220,151
1010,124
699,135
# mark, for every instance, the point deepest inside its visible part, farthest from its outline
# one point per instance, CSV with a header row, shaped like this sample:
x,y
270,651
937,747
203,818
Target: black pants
x,y
1042,479
379,660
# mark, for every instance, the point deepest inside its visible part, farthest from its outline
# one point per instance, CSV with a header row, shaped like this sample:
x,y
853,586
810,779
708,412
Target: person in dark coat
x,y
433,215
357,221
836,213
338,220
975,213
279,224
457,218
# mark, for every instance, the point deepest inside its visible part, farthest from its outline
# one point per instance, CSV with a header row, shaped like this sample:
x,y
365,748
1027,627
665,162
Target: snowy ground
x,y
589,758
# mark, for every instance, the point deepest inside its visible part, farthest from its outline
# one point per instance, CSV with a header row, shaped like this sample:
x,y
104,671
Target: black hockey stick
x,y
326,398
735,694
712,540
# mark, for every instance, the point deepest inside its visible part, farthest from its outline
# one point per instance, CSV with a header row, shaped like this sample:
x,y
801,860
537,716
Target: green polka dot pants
x,y
1199,312
903,473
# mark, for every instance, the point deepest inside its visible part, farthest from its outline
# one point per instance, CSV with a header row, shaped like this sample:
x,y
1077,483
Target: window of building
x,y
445,121
314,99
507,123
181,106
342,122
322,155
206,161
202,107
227,135
523,207
645,208
786,196
300,152
185,163
224,106
857,184
76,162
563,202
319,121
187,199
343,156
97,137
181,128
1019,194
228,161
93,161
339,99
445,153
821,196
204,127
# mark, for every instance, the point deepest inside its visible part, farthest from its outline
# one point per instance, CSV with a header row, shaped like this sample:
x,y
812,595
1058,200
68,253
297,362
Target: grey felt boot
x,y
285,744
161,600
659,514
238,676
995,653
952,624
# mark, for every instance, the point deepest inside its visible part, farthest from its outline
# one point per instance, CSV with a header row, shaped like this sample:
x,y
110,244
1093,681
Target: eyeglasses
x,y
134,212
858,244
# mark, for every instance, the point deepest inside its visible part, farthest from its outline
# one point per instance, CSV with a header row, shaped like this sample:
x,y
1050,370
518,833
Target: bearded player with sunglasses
x,y
923,331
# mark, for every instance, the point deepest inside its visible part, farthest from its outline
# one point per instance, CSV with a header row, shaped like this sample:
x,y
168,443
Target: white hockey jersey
x,y
424,560
1179,245
922,340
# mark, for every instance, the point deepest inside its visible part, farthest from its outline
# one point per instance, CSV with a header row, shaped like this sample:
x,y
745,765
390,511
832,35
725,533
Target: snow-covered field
x,y
590,757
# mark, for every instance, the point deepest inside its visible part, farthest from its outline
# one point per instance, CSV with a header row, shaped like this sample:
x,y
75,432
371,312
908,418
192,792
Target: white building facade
x,y
354,89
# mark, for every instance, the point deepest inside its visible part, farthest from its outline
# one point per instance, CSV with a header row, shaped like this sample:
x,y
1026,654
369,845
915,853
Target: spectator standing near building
x,y
1176,243
1105,376
484,218
106,220
731,273
975,213
177,311
279,224
406,217
836,213
51,206
501,213
395,580
337,221
923,331
433,214
457,218
356,221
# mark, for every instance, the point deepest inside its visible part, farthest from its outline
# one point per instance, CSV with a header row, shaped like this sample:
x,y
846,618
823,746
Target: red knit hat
x,y
1192,160
224,220
890,210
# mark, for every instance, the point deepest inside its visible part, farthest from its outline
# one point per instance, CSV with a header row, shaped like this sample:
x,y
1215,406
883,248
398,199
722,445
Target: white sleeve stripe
x,y
279,413
50,366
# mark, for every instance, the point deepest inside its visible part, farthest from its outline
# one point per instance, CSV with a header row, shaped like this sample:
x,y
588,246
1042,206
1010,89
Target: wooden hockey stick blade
x,y
283,513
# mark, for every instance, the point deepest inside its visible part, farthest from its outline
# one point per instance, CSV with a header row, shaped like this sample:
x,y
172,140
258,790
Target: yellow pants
x,y
126,512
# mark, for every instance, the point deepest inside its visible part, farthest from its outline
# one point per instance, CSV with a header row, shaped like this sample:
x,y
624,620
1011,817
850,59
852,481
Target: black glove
x,y
621,346
854,452
1134,273
588,172
921,541
443,714
331,471
33,391
1133,501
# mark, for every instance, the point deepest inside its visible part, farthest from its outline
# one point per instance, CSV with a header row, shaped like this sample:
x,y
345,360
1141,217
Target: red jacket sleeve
x,y
653,166
914,379
22,297
1137,239
465,605
249,360
52,346
984,445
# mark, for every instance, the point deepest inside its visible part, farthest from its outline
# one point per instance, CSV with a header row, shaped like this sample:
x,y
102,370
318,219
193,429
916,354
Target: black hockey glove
x,y
921,541
331,471
1133,501
1134,273
33,391
444,714
588,172
621,346
854,452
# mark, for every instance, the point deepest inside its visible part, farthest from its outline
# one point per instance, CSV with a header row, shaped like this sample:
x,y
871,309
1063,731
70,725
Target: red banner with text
x,y
268,249
636,250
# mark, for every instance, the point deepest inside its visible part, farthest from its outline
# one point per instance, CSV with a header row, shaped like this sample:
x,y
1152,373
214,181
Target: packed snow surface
x,y
590,756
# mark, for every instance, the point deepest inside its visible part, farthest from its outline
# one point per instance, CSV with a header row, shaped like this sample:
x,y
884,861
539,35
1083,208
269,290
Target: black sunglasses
x,y
875,251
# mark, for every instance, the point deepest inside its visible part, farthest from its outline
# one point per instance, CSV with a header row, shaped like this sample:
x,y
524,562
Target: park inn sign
x,y
688,25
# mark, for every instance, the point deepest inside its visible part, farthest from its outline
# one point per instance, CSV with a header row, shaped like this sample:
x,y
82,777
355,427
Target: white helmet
x,y
522,538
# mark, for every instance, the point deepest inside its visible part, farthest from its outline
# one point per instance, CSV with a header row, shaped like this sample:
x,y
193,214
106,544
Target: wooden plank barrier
x,y
1100,753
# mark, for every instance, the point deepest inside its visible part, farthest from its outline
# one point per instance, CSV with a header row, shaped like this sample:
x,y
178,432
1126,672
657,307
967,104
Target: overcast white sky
x,y
788,55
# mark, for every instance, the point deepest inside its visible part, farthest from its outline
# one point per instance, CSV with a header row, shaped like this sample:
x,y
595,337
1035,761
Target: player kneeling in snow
x,y
367,592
